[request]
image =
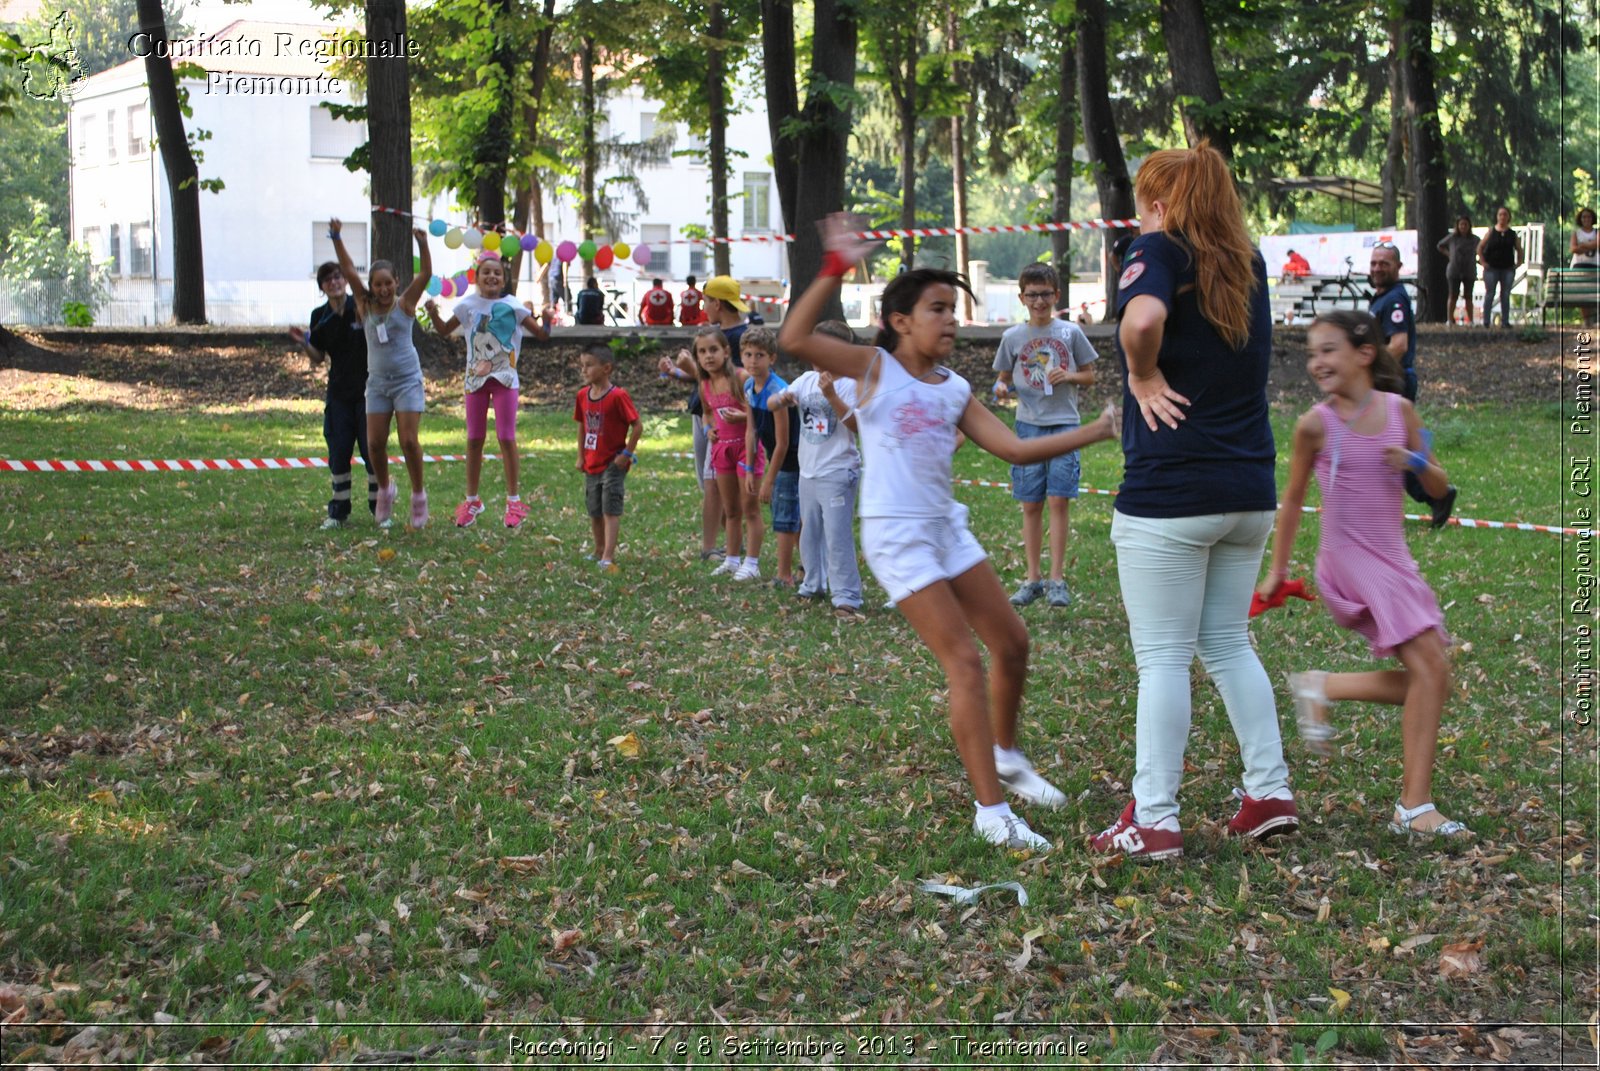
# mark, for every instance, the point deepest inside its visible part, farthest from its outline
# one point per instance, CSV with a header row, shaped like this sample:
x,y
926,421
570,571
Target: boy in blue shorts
x,y
1044,361
780,436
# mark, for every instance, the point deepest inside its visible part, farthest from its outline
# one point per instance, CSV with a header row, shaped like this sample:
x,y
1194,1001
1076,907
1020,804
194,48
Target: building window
x,y
114,249
355,243
658,236
111,135
138,127
86,136
91,241
333,139
647,125
757,200
697,261
141,250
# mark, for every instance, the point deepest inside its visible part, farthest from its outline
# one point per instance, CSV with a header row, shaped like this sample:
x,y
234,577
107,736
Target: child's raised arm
x,y
992,434
827,353
419,282
443,328
534,325
347,267
1309,437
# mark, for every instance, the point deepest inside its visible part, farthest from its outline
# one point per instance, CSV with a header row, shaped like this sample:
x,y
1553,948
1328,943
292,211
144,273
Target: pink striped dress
x,y
1365,572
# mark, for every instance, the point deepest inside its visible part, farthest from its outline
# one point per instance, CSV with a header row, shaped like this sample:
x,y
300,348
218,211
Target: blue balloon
x,y
434,286
437,228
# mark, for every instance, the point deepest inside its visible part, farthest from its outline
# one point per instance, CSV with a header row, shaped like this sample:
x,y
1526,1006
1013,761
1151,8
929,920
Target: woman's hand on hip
x,y
1157,401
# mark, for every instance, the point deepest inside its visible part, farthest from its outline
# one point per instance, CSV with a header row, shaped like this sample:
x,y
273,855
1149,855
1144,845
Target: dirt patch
x,y
171,368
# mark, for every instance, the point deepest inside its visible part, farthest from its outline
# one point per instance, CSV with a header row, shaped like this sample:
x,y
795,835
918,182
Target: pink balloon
x,y
566,252
641,255
603,257
446,288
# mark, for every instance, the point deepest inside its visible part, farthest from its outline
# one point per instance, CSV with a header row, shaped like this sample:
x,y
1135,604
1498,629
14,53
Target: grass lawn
x,y
319,782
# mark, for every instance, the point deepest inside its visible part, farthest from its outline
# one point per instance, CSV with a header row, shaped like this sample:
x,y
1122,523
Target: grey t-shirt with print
x,y
1028,353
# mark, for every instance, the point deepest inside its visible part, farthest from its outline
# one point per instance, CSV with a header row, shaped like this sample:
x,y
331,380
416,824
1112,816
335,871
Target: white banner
x,y
1326,252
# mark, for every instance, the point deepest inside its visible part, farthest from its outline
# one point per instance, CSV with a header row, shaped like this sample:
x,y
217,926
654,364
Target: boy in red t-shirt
x,y
655,310
693,312
608,430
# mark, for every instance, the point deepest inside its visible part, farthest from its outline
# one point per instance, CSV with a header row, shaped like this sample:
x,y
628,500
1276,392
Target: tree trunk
x,y
1393,176
389,135
183,178
907,107
1100,138
530,196
809,149
588,211
1427,154
493,150
717,119
1194,73
1066,138
958,158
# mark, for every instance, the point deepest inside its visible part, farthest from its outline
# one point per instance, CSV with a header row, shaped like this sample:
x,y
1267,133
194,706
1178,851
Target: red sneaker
x,y
1145,844
1260,819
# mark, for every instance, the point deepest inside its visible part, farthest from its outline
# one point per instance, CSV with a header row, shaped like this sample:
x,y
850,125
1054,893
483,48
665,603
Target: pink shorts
x,y
504,399
726,455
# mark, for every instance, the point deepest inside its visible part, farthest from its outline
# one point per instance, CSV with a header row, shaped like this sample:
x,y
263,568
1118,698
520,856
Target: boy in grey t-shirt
x,y
1044,361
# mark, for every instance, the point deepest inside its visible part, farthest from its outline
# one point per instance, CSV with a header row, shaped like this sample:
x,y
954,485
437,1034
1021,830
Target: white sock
x,y
994,810
732,559
752,563
513,498
1011,756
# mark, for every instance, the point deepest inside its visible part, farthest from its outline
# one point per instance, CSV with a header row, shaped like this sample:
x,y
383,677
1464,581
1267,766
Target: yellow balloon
x,y
543,252
491,240
452,238
621,249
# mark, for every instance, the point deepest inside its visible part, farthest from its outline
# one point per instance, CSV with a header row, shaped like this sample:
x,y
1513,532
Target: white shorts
x,y
907,554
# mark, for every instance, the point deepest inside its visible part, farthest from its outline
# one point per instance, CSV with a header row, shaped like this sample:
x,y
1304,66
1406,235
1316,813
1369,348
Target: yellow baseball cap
x,y
726,289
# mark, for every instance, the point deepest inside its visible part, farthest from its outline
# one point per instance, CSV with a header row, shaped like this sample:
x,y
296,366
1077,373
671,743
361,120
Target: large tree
x,y
1427,155
1194,73
389,137
1100,138
183,177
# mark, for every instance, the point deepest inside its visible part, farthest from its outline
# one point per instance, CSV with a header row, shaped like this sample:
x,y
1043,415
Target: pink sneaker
x,y
1260,819
468,511
384,514
419,509
1144,844
516,513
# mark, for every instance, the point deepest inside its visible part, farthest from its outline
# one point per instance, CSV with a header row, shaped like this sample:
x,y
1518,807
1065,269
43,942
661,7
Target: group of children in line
x,y
794,446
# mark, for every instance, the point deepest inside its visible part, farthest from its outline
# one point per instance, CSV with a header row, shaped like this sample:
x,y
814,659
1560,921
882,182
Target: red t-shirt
x,y
605,424
657,306
692,312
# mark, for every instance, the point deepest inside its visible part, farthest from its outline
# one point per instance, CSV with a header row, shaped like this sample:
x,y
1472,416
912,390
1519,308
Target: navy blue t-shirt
x,y
1220,459
1392,310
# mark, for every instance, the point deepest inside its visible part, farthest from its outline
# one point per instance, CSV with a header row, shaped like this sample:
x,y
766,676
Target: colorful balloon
x,y
452,238
603,257
529,242
543,252
473,238
641,255
447,288
416,265
434,286
586,249
472,276
566,251
491,242
437,228
461,282
621,249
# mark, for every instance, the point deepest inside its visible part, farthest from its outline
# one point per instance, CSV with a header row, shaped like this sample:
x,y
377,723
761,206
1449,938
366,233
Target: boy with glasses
x,y
1044,361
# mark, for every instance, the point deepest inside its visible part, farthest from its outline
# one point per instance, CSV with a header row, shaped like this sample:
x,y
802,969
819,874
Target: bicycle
x,y
1346,293
616,308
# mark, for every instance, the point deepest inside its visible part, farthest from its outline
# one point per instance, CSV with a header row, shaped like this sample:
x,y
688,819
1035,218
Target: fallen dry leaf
x,y
627,745
1341,1000
1021,962
561,940
1460,959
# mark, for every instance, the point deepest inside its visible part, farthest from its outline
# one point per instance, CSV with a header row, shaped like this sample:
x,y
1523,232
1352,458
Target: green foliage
x,y
77,314
632,347
47,271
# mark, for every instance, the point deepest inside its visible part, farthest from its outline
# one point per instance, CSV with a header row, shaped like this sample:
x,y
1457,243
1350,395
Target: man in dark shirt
x,y
591,303
1391,307
336,334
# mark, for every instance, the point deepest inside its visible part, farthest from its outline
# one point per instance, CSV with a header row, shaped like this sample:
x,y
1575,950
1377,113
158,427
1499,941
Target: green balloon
x,y
586,249
416,265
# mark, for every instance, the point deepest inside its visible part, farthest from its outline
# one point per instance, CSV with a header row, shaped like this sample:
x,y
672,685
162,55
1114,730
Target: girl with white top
x,y
909,411
1586,253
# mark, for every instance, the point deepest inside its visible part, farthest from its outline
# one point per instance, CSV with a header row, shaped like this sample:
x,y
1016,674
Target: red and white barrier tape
x,y
280,464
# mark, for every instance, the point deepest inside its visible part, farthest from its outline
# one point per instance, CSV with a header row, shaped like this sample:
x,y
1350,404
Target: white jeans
x,y
828,537
1186,584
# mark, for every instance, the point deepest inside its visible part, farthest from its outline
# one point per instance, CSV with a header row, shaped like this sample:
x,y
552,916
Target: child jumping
x,y
394,371
727,413
608,432
1044,361
771,429
1361,442
494,323
909,411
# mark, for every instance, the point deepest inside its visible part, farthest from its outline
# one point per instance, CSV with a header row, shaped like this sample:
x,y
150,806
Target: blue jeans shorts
x,y
1057,478
786,502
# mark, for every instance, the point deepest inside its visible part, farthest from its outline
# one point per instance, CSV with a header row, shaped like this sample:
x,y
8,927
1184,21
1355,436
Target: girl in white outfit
x,y
913,531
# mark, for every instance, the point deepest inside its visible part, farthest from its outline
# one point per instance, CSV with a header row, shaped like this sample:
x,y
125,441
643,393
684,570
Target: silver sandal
x,y
1310,700
1407,815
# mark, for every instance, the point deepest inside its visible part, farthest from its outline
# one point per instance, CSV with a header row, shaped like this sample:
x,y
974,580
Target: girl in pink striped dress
x,y
1361,441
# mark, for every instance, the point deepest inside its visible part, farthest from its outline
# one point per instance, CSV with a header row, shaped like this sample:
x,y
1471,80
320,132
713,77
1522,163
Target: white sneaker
x,y
1022,779
1009,831
748,571
729,565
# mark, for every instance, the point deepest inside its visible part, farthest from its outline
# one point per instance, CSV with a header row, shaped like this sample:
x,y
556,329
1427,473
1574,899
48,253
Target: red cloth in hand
x,y
1286,590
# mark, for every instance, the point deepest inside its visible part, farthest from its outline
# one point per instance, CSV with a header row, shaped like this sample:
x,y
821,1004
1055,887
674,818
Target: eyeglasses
x,y
1385,244
1040,295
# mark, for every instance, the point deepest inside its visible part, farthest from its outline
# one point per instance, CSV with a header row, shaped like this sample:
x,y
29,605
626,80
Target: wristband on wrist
x,y
1418,462
834,266
744,468
625,452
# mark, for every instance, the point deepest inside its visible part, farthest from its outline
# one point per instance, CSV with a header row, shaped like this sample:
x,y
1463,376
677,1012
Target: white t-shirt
x,y
1580,259
827,447
908,433
493,329
1028,353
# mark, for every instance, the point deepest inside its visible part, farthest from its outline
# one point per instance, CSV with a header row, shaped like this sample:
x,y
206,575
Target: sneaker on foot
x,y
1027,592
728,566
1260,819
1022,779
748,571
1443,507
384,514
1056,593
1009,831
1144,844
468,511
332,522
419,509
516,513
